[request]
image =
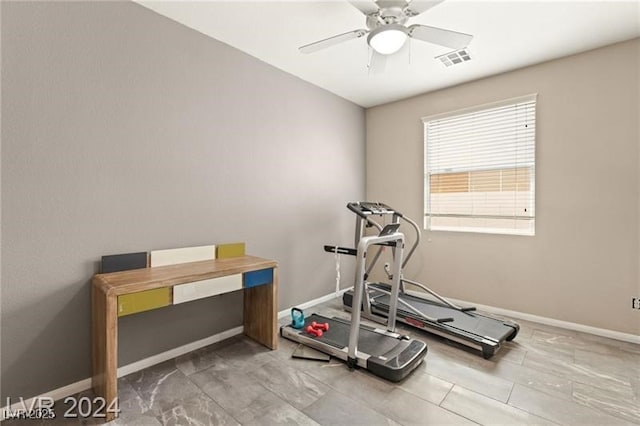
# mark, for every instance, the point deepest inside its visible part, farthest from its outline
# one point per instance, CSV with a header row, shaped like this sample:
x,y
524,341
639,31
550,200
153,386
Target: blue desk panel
x,y
256,278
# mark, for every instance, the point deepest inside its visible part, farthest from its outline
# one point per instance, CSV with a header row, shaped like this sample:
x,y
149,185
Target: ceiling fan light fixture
x,y
387,39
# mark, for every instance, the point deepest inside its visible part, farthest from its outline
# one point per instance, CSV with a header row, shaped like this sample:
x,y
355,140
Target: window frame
x,y
426,176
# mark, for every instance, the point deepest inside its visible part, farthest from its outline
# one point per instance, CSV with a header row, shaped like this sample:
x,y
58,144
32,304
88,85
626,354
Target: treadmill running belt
x,y
467,321
373,343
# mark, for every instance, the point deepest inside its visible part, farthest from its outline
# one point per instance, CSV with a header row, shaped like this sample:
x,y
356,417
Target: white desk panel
x,y
206,288
182,255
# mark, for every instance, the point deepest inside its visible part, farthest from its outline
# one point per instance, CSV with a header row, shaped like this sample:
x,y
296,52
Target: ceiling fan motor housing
x,y
390,12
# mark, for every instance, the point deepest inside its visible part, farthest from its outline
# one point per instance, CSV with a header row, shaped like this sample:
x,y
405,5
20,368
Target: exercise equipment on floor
x,y
324,326
313,331
384,353
310,354
423,309
297,318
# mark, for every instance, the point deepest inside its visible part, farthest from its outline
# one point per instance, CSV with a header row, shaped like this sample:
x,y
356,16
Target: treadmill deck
x,y
469,322
388,355
375,344
469,328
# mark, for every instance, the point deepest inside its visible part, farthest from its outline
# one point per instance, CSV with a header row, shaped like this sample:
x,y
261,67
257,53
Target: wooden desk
x,y
260,301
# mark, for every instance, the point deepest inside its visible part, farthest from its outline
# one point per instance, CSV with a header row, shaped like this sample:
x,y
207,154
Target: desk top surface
x,y
124,282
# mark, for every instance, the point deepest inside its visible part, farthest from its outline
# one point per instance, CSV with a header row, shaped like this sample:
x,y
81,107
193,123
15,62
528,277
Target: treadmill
x,y
423,309
384,353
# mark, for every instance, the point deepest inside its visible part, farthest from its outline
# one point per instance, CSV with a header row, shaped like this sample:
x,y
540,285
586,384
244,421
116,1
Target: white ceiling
x,y
507,35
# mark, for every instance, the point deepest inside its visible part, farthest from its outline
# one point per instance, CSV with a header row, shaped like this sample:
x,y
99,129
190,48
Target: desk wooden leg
x,y
105,349
260,312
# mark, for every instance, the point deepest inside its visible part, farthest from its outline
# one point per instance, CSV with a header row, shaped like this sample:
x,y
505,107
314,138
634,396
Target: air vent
x,y
455,57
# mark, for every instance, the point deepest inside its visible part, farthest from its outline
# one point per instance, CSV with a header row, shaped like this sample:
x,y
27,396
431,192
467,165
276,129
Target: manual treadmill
x,y
385,353
434,314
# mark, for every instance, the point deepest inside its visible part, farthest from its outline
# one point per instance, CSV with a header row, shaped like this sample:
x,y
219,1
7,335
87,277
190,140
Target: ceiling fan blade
x,y
328,42
377,63
365,6
440,36
416,7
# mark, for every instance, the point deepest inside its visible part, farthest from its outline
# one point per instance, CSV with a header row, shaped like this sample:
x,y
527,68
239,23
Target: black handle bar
x,y
341,250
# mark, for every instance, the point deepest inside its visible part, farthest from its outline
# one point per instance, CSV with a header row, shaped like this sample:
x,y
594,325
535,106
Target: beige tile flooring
x,y
545,376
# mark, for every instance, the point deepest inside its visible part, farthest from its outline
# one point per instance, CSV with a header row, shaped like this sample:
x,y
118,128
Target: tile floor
x,y
546,376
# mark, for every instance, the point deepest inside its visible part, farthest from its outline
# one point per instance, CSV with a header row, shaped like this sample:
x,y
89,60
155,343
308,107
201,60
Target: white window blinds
x,y
480,169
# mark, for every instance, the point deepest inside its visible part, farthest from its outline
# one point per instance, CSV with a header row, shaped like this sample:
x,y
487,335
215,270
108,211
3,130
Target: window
x,y
480,169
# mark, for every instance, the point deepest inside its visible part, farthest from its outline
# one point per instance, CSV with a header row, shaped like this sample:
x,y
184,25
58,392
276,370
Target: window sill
x,y
495,231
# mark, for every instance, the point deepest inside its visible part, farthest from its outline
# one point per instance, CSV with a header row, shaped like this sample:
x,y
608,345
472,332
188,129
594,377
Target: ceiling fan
x,y
386,28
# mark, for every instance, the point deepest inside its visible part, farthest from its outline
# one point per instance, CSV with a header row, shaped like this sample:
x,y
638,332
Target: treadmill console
x,y
363,208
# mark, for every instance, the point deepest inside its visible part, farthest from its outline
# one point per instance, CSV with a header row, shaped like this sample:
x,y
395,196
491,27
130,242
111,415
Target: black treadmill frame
x,y
488,345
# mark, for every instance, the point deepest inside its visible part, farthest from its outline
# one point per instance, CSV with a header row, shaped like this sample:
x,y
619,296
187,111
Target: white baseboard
x,y
617,335
287,312
84,384
53,395
176,352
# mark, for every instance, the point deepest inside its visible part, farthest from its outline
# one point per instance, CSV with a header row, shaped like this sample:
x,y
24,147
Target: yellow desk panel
x,y
143,301
230,250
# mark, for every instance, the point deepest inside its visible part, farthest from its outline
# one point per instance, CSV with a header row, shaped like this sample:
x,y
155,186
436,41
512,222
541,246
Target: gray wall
x,y
125,131
582,264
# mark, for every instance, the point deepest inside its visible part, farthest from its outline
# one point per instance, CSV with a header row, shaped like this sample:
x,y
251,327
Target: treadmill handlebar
x,y
341,250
